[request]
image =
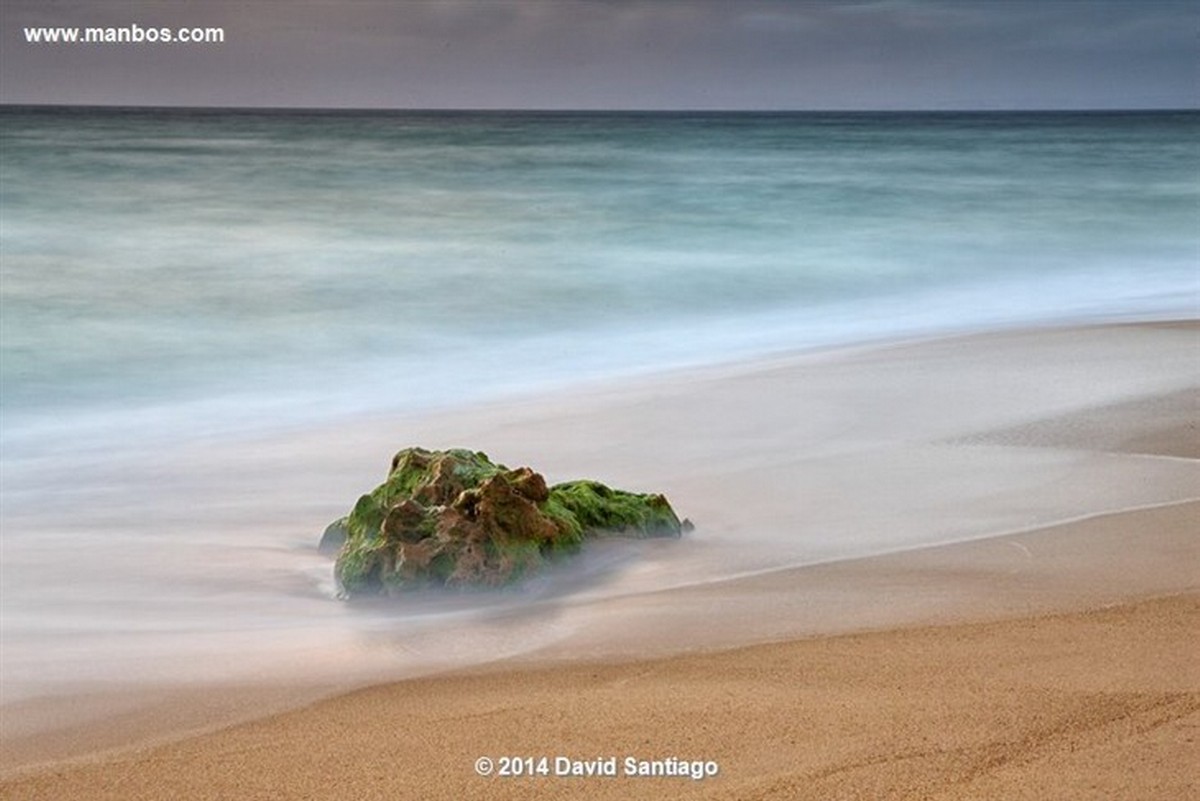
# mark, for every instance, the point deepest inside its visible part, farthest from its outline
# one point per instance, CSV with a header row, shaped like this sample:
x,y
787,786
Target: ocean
x,y
184,293
202,273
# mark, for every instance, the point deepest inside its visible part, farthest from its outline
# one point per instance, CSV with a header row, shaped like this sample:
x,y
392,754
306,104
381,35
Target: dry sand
x,y
1102,704
1057,660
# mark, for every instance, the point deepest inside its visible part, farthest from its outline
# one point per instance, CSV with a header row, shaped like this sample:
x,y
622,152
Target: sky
x,y
616,54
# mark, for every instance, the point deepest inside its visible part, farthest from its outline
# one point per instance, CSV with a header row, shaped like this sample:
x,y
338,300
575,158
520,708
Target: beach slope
x,y
958,568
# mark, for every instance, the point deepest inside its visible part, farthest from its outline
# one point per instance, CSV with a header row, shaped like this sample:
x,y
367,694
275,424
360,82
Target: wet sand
x,y
1048,652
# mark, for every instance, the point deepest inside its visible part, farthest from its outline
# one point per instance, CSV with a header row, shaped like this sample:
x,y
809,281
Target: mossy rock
x,y
455,518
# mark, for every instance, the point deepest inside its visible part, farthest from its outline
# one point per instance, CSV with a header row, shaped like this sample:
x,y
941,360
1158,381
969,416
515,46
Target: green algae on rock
x,y
456,518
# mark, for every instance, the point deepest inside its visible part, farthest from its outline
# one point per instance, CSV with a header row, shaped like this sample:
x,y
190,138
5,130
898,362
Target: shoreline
x,y
1097,703
1038,494
990,580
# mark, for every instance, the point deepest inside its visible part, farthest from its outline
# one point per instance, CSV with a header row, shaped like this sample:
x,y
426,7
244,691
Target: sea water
x,y
180,277
167,272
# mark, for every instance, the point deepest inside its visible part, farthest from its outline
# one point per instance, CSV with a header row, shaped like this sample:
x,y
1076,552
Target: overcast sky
x,y
644,54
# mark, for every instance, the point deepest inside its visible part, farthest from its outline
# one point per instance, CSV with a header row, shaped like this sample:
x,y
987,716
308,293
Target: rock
x,y
334,537
455,518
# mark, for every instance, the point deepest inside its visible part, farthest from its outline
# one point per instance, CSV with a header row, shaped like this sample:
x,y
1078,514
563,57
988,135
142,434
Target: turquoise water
x,y
176,273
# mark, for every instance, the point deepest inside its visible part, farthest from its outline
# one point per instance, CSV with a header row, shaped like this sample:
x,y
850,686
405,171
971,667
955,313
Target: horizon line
x,y
598,110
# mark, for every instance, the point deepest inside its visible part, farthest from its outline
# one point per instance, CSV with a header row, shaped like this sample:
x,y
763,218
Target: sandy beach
x,y
963,567
1101,704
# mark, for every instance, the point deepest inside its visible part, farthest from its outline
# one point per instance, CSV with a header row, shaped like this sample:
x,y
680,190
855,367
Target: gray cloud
x,y
617,54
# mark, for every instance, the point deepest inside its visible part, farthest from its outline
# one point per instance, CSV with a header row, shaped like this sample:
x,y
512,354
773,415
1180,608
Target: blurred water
x,y
174,272
173,282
